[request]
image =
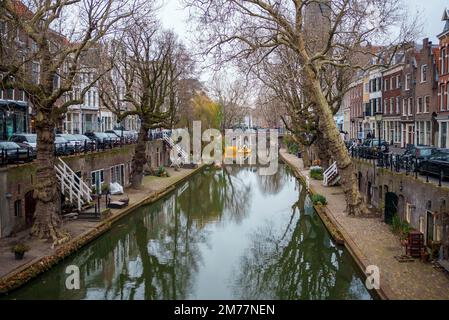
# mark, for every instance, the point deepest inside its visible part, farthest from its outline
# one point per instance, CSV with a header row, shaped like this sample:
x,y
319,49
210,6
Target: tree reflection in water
x,y
167,250
300,262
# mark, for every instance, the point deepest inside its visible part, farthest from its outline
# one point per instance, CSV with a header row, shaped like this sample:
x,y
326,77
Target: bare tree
x,y
232,97
321,34
147,67
45,50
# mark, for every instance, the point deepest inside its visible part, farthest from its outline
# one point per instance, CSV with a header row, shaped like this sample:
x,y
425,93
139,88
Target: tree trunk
x,y
48,200
139,158
305,156
335,145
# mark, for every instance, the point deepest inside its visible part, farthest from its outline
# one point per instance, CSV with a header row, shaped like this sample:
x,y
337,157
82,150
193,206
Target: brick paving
x,y
375,244
39,248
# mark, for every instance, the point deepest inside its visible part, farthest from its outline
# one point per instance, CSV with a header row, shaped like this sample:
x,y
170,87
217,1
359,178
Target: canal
x,y
226,234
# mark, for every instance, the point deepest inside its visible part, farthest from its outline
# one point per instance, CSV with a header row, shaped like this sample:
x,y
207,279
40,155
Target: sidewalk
x,y
42,256
371,242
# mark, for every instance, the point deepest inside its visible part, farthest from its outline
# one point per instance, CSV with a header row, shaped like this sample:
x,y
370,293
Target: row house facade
x,y
15,115
406,94
391,95
16,112
443,85
426,125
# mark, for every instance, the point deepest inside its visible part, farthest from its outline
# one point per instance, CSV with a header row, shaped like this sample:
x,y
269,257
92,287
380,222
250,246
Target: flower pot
x,y
19,255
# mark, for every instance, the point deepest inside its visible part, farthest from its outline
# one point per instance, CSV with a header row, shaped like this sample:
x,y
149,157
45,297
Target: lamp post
x,y
379,117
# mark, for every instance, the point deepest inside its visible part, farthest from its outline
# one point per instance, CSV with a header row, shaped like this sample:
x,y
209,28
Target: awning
x,y
14,104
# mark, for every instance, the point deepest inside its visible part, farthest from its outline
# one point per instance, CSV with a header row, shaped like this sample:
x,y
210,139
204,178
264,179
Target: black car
x,y
370,147
11,152
419,152
101,139
437,164
29,139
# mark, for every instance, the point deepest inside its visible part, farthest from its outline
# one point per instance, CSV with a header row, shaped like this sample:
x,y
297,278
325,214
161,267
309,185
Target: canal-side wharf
x,y
42,255
371,242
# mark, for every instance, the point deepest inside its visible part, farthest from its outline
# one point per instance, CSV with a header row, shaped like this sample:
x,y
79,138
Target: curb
x,y
23,274
340,235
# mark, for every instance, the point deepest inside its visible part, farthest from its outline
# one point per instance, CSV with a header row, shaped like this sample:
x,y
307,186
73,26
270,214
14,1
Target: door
x,y
391,206
30,208
430,225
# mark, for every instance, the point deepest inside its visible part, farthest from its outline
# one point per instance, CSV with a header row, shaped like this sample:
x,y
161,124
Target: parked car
x,y
76,143
419,152
100,138
369,148
29,139
63,147
12,152
437,164
113,138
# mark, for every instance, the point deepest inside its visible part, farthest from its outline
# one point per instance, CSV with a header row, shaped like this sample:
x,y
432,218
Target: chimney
x,y
425,42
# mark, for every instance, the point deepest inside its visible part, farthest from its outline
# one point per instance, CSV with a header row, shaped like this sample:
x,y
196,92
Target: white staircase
x,y
77,191
331,176
182,156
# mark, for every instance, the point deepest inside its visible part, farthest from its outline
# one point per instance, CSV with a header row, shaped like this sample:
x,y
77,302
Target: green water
x,y
230,234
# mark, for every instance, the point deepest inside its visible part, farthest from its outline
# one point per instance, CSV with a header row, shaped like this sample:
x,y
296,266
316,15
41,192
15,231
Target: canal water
x,y
226,234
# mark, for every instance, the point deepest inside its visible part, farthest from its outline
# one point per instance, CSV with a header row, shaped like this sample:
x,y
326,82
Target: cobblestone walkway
x,y
39,248
379,246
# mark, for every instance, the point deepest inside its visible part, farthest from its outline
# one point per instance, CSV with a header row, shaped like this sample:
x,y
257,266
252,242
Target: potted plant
x,y
19,250
105,189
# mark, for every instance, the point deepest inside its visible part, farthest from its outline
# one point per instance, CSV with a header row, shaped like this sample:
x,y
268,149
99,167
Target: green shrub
x,y
291,145
316,173
400,227
319,199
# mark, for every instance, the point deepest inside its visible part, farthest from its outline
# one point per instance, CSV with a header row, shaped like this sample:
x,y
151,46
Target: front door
x,y
430,225
391,206
30,208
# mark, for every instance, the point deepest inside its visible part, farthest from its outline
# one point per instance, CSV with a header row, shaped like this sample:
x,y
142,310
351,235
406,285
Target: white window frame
x,y
408,78
422,73
426,105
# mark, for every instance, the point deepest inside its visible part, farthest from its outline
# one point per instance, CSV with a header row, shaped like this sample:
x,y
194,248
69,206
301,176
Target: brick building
x,y
443,85
391,95
426,126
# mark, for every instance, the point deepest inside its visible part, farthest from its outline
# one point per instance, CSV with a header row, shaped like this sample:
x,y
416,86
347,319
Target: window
x,y
398,105
447,96
443,61
97,179
428,133
424,73
387,85
442,97
443,134
386,104
427,104
404,107
117,174
410,106
391,105
35,72
18,208
398,81
420,105
407,82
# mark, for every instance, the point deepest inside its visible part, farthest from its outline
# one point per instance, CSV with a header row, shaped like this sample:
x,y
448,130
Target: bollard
x,y
440,183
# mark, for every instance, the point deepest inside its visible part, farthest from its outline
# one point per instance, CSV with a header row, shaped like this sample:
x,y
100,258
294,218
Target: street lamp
x,y
378,117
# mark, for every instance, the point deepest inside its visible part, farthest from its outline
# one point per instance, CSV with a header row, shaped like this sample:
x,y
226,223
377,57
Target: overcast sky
x,y
174,17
